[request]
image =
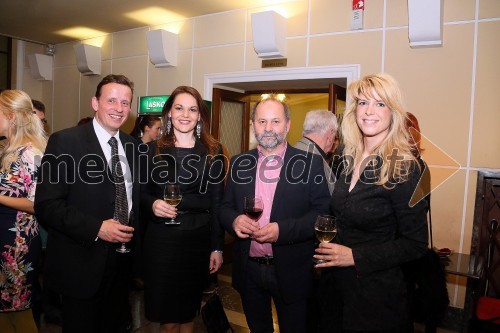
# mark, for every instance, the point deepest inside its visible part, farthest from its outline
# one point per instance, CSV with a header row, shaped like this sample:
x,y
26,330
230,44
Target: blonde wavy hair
x,y
398,137
24,125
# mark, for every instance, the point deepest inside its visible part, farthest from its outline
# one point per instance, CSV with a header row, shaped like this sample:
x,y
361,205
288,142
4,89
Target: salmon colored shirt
x,y
267,177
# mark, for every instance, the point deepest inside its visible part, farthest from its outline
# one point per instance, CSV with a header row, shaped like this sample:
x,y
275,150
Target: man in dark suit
x,y
273,255
319,131
75,201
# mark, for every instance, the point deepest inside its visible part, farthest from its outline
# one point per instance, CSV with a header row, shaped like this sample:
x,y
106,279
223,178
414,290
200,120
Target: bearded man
x,y
273,253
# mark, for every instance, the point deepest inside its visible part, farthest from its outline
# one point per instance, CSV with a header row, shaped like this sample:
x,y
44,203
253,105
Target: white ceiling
x,y
39,20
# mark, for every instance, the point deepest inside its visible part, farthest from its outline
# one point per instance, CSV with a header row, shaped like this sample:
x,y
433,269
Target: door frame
x,y
350,72
223,94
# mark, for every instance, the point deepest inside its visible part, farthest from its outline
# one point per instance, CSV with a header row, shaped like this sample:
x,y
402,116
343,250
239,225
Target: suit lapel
x,y
250,172
281,187
93,146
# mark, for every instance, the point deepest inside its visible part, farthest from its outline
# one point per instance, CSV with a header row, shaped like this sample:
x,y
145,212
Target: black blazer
x,y
201,191
298,200
384,231
74,194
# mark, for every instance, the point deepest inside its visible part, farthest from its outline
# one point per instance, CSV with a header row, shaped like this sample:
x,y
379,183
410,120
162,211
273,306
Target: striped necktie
x,y
121,203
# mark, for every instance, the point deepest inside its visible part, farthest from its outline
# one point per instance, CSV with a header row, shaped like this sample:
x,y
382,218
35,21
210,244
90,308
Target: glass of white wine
x,y
173,197
123,248
325,229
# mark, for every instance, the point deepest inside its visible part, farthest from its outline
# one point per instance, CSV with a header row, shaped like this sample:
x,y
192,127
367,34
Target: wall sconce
x,y
269,34
40,66
425,23
88,59
163,47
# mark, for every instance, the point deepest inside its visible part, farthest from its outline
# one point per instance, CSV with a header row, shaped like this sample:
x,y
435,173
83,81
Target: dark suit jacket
x,y
384,232
307,144
72,199
201,192
298,200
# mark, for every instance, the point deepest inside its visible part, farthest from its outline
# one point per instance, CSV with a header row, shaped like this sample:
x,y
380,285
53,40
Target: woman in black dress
x,y
178,258
378,229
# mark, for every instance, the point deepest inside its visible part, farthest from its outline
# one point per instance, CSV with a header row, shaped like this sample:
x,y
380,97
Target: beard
x,y
265,143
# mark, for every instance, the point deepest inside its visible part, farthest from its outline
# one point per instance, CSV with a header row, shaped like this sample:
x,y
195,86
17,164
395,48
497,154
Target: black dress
x,y
384,232
176,257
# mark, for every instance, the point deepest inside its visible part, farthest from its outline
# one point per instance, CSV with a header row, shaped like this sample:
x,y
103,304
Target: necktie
x,y
121,204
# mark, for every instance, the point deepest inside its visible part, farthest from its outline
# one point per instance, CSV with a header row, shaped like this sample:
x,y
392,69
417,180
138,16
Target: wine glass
x,y
253,207
173,197
325,229
123,248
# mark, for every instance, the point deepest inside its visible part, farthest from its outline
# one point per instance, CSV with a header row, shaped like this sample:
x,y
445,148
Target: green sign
x,y
154,104
151,104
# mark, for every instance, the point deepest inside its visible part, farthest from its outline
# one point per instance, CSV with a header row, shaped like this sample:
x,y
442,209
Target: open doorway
x,y
234,94
231,123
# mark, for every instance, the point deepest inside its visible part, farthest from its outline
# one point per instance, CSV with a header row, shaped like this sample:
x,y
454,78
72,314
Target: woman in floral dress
x,y
20,243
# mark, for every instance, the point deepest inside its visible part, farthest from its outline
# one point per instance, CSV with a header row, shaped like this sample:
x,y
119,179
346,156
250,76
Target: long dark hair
x,y
168,139
140,124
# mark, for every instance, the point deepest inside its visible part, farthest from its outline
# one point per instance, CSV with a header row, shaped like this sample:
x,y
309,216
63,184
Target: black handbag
x,y
213,315
426,278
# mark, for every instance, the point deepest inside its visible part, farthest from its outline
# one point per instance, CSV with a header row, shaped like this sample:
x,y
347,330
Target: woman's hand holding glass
x,y
173,197
162,209
334,255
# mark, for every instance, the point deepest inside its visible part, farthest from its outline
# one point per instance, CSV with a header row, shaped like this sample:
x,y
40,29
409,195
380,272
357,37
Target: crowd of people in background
x,y
100,196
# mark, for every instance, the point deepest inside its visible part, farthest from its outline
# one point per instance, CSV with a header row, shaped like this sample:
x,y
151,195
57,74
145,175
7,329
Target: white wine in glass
x,y
123,248
173,197
325,229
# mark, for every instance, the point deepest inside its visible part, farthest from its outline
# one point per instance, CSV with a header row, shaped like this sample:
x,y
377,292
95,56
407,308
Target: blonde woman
x,y
378,230
21,244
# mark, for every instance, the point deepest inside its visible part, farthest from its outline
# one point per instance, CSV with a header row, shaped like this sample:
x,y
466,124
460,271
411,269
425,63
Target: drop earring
x,y
169,125
198,129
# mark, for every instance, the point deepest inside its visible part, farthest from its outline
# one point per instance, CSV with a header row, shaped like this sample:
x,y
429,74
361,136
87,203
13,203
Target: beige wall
x,y
452,89
298,111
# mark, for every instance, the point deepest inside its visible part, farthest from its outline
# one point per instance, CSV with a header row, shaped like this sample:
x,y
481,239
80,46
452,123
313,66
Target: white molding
x,y
350,72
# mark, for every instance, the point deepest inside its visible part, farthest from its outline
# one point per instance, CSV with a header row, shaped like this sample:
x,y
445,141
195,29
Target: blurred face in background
x,y
41,116
151,133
